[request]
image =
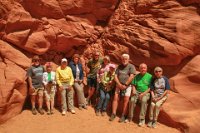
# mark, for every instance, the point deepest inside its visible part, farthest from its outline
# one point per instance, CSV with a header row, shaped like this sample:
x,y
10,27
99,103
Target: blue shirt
x,y
73,67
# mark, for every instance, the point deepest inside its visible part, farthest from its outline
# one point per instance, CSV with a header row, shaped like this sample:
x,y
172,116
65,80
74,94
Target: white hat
x,y
64,60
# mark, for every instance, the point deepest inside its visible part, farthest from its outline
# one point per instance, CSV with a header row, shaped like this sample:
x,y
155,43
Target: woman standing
x,y
49,81
77,71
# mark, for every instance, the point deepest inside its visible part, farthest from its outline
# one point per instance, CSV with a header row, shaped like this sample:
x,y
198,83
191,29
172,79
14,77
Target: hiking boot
x,y
48,112
41,111
34,111
141,123
150,123
103,113
112,117
63,113
97,112
122,119
154,124
73,111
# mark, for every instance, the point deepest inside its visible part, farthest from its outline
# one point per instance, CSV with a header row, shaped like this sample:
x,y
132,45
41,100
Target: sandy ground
x,y
84,121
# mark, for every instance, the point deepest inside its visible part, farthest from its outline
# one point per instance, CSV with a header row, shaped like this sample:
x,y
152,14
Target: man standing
x,y
65,80
35,74
140,91
123,77
94,64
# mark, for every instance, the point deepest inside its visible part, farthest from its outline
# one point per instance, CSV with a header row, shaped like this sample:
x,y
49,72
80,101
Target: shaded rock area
x,y
157,32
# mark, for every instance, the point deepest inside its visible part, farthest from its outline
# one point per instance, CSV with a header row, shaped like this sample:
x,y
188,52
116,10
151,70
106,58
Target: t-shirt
x,y
124,72
142,82
77,72
36,74
94,67
159,85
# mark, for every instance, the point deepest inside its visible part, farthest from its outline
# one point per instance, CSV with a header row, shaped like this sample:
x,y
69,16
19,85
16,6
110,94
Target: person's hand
x,y
69,88
156,99
133,93
141,96
80,81
31,89
61,88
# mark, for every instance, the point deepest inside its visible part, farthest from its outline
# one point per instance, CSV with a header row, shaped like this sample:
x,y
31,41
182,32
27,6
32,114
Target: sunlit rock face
x,y
164,33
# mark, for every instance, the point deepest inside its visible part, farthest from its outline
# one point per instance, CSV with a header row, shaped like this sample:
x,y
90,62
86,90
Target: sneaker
x,y
48,112
63,112
128,120
73,111
154,124
52,111
112,117
141,123
97,112
103,113
40,110
150,123
122,119
85,106
34,111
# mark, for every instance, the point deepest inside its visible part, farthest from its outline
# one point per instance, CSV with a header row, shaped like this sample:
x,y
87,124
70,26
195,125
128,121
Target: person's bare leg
x,y
125,105
115,103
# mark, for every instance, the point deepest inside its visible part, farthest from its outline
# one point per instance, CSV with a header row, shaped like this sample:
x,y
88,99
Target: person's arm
x,y
58,78
118,82
129,80
71,77
44,81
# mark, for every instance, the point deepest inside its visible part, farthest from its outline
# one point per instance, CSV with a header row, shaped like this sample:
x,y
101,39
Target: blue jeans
x,y
104,99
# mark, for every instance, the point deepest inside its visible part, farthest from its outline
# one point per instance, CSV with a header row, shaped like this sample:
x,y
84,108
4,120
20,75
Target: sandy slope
x,y
82,122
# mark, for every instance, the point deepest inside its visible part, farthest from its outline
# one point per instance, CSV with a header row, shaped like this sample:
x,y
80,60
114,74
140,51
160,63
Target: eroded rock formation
x,y
157,32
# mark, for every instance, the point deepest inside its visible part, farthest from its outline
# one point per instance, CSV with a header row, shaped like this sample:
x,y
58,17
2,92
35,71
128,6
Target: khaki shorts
x,y
126,92
37,91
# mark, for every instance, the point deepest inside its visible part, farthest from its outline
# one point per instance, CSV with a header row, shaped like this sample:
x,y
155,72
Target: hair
x,y
142,65
158,69
35,57
126,56
107,57
76,56
48,64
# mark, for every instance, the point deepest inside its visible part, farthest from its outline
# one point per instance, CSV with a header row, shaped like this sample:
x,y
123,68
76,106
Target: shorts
x,y
126,92
37,91
50,93
92,82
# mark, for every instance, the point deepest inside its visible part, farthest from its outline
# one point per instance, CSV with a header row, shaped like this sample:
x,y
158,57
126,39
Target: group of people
x,y
104,80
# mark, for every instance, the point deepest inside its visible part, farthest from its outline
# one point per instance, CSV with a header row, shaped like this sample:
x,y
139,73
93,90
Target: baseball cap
x,y
64,60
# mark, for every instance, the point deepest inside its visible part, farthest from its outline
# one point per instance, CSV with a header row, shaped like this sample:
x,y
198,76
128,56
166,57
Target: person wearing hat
x,y
140,92
106,86
49,81
34,74
77,71
159,91
65,80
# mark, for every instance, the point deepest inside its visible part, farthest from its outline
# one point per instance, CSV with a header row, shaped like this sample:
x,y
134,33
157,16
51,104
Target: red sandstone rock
x,y
156,32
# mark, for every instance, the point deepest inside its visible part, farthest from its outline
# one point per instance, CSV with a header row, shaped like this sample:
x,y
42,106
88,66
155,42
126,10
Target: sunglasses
x,y
158,71
36,60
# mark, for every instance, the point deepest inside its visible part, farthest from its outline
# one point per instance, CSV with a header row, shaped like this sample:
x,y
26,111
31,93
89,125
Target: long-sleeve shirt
x,y
106,78
64,76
